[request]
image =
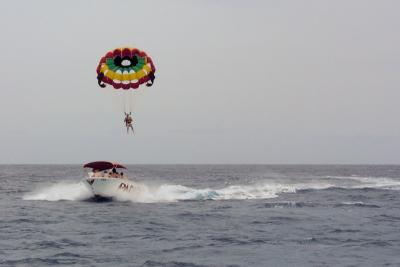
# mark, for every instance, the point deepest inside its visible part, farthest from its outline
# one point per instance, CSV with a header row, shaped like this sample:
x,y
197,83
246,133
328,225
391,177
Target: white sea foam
x,y
172,193
60,191
161,193
358,182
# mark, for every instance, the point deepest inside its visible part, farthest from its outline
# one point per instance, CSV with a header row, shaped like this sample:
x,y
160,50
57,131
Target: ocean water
x,y
203,215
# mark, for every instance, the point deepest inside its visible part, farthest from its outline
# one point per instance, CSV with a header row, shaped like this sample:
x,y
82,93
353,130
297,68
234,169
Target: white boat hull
x,y
110,187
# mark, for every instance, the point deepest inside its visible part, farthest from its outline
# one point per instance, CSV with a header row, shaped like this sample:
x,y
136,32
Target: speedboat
x,y
105,181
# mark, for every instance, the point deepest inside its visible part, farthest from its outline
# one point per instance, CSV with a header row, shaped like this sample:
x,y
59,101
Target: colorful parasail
x,y
126,68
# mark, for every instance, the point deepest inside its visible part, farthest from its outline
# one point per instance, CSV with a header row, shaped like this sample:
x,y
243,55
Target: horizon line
x,y
304,164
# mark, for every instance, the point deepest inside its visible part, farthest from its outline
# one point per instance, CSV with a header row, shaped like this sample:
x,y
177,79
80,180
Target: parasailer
x,y
128,122
126,68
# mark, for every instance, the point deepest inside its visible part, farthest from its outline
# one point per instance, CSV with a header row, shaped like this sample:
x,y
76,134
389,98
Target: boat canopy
x,y
103,165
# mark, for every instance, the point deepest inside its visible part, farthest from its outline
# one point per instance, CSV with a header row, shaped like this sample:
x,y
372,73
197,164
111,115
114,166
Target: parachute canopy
x,y
125,68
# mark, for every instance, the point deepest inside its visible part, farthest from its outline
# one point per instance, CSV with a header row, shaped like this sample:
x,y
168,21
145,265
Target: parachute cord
x,y
126,106
121,100
127,101
130,101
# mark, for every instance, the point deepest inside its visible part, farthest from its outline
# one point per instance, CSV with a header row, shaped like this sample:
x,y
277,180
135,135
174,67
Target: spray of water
x,y
60,191
172,193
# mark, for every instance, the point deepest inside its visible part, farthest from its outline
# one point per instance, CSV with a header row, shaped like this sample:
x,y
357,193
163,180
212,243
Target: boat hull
x,y
109,187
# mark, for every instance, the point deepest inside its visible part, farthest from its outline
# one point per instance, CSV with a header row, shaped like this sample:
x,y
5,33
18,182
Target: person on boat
x,y
96,173
128,122
114,173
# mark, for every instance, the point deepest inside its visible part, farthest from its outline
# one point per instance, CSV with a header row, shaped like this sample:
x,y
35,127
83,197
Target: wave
x,y
359,204
151,263
365,182
172,193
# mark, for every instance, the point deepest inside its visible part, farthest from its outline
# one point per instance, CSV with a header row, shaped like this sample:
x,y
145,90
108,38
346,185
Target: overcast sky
x,y
236,82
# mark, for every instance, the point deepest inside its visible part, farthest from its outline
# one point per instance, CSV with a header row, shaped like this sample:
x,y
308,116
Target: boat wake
x,y
158,193
172,193
60,191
